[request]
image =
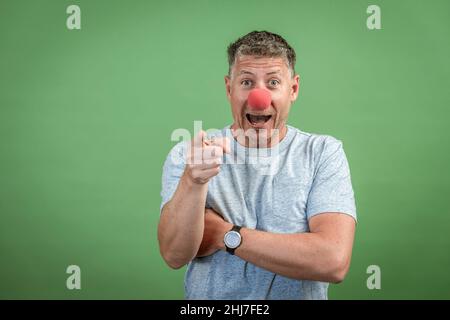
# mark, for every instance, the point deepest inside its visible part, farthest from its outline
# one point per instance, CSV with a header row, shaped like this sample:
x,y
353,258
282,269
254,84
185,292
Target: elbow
x,y
172,261
337,276
174,265
170,255
175,258
339,268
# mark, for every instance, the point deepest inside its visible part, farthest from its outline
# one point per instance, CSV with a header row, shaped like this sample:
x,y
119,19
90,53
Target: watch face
x,y
232,239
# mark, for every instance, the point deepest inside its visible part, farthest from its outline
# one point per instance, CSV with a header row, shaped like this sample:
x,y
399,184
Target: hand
x,y
204,157
214,231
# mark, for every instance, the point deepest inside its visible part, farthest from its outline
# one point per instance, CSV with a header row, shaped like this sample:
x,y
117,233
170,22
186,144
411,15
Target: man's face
x,y
272,74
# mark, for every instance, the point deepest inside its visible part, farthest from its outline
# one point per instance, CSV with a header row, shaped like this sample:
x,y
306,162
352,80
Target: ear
x,y
295,86
228,87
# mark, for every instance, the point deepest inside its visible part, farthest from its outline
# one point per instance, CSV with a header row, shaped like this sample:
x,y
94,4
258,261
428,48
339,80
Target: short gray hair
x,y
262,44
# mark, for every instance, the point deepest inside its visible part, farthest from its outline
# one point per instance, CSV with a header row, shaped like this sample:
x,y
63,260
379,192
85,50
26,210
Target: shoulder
x,y
179,148
177,154
315,143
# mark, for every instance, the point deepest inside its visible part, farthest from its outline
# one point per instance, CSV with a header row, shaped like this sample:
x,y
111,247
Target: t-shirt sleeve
x,y
331,190
172,171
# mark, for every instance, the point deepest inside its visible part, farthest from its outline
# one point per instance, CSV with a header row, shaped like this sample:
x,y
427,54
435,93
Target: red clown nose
x,y
259,99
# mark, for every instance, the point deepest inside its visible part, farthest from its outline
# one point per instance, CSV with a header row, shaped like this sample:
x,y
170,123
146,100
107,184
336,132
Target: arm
x,y
323,254
180,228
181,225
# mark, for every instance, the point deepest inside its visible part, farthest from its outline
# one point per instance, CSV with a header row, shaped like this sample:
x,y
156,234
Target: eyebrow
x,y
248,72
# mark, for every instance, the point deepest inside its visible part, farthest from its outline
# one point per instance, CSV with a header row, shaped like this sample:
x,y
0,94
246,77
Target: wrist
x,y
191,183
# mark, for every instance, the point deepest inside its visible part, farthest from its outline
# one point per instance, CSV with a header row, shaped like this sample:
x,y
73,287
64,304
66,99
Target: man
x,y
263,211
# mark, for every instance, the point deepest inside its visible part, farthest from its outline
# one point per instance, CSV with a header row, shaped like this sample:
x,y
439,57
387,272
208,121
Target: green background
x,y
86,117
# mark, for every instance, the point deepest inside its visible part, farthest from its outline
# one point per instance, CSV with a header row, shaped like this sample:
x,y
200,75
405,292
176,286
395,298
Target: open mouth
x,y
257,119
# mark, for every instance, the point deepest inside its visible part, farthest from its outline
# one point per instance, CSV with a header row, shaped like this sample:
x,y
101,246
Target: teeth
x,y
256,119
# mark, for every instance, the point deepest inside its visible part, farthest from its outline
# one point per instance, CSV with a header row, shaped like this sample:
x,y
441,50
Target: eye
x,y
246,82
274,83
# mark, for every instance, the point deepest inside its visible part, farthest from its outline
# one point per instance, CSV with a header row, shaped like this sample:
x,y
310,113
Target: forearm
x,y
181,225
310,256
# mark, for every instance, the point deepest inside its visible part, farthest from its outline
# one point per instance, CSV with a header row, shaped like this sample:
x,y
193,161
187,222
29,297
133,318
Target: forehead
x,y
259,64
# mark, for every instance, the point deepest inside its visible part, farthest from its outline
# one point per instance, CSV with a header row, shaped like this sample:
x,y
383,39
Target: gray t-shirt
x,y
274,189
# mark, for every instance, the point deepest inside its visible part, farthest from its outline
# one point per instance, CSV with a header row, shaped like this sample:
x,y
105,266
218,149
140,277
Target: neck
x,y
258,138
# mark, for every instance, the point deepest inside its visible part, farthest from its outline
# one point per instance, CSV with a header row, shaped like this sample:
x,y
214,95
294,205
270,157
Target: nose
x,y
259,99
